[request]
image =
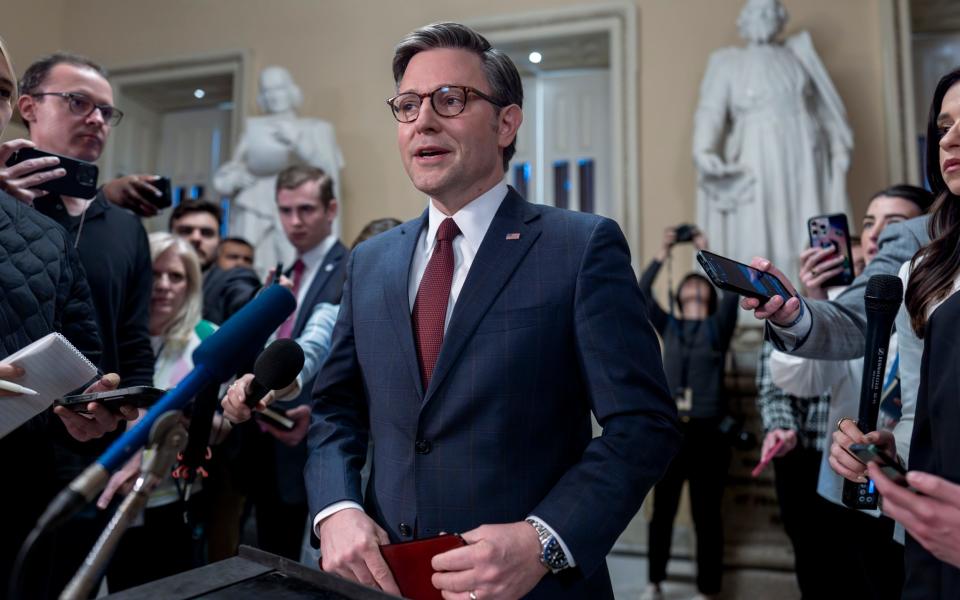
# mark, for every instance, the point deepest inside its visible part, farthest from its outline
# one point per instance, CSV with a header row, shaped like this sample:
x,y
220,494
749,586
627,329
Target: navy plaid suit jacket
x,y
547,328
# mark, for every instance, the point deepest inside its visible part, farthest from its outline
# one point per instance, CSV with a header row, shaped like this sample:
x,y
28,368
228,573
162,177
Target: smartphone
x,y
832,231
867,453
276,417
164,200
79,182
140,396
741,279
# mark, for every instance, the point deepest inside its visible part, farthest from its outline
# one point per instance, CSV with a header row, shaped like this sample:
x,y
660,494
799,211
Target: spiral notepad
x,y
54,367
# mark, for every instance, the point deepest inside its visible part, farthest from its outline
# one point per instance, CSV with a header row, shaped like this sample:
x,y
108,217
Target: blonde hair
x,y
5,57
181,326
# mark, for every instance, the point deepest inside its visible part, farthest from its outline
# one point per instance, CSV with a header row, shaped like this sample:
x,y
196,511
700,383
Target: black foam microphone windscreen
x,y
276,368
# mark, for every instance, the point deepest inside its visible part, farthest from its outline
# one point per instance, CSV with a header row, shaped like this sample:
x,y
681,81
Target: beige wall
x,y
339,52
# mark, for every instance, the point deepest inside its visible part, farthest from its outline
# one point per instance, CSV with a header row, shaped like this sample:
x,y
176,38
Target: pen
x,y
277,272
9,386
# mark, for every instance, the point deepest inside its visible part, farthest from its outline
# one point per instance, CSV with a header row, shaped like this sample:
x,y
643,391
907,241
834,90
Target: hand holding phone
x,y
741,279
870,453
21,180
139,397
79,179
830,233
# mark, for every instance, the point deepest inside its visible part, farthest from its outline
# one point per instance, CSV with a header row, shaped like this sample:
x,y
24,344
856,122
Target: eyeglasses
x,y
447,101
81,105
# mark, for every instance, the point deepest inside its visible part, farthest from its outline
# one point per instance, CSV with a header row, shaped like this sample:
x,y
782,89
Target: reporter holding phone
x,y
694,349
927,437
44,290
869,562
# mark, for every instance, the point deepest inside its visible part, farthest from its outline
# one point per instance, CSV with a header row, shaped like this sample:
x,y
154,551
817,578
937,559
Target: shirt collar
x,y
314,256
473,219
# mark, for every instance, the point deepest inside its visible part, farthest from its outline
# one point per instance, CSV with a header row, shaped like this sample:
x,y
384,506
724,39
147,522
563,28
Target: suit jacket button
x,y
423,447
405,530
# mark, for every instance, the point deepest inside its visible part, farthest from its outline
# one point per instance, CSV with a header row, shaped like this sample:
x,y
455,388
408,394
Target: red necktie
x,y
287,328
430,307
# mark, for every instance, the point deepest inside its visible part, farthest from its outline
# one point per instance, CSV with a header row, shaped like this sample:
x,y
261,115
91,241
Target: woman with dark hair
x,y
694,351
927,437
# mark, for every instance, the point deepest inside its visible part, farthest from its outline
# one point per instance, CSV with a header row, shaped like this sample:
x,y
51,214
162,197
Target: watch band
x,y
552,555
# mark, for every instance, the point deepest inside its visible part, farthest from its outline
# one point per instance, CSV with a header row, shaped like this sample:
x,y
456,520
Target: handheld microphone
x,y
214,361
883,297
276,368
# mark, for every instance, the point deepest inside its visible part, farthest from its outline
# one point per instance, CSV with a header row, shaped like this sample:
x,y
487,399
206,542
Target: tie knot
x,y
448,230
298,267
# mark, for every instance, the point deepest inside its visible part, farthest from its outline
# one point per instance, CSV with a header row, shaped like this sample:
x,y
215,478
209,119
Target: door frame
x,y
232,63
618,20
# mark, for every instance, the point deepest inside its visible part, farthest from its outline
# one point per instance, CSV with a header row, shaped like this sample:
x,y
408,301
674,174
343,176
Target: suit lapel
x,y
397,294
498,257
320,280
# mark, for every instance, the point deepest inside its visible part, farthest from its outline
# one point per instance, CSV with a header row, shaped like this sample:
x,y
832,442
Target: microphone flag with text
x,y
882,298
215,360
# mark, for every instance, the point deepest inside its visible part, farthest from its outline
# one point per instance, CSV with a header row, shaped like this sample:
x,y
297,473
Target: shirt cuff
x,y
330,510
796,331
566,551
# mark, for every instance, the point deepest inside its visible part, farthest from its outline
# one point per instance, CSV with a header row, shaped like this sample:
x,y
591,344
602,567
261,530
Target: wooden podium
x,y
252,575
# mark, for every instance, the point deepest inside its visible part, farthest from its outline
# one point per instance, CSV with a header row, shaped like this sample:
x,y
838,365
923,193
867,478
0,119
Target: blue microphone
x,y
215,360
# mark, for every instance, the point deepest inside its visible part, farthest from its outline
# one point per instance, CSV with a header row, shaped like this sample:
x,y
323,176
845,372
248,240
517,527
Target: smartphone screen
x,y
832,231
867,453
740,278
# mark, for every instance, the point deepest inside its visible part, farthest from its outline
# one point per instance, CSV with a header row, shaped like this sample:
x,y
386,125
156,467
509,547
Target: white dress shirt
x,y
473,220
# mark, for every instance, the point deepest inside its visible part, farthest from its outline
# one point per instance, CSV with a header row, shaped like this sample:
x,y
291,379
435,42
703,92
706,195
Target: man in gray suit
x,y
834,329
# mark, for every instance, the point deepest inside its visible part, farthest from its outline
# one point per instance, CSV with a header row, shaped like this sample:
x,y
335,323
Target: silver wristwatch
x,y
551,553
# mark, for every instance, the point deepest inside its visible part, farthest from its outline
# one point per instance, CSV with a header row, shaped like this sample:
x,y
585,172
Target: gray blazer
x,y
837,326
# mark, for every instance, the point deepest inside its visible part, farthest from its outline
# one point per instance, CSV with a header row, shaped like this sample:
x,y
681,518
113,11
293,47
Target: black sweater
x,y
697,347
116,256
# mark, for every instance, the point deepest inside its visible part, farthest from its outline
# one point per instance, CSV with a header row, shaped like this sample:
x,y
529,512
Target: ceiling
x,y
179,95
927,16
584,51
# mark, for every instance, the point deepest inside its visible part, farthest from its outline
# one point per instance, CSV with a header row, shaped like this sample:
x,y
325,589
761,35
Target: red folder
x,y
410,564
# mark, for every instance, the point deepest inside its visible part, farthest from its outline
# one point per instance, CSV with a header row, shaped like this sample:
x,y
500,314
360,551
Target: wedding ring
x,y
840,423
473,596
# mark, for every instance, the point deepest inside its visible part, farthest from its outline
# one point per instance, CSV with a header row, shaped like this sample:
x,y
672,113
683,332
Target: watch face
x,y
553,555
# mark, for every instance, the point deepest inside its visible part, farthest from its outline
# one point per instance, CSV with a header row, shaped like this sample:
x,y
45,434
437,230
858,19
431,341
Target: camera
x,y
685,233
732,430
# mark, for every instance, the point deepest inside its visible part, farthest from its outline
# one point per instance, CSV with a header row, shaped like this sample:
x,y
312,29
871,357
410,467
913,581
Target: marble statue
x,y
269,144
771,142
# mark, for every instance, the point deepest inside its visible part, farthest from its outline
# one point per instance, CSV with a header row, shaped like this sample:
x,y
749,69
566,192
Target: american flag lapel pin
x,y
513,236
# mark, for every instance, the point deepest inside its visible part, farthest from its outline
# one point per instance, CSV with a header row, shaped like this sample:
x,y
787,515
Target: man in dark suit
x,y
471,347
307,210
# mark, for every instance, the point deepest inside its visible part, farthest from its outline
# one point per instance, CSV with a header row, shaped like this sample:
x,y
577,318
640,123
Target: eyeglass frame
x,y
466,89
69,96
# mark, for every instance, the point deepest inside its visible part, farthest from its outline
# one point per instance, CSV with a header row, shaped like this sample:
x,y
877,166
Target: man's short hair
x,y
236,240
502,75
196,206
37,73
293,177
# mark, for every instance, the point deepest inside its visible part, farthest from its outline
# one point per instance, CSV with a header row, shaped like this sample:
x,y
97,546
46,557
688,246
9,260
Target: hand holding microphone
x,y
276,368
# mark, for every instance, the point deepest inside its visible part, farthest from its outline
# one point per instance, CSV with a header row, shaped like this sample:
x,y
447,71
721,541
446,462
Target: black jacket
x,y
115,253
226,292
694,352
44,289
935,445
